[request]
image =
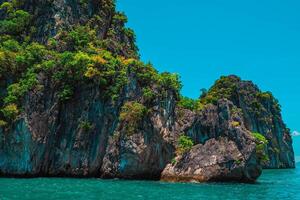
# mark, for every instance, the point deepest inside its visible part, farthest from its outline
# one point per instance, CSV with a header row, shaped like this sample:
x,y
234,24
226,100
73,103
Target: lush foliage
x,y
190,104
3,123
260,138
170,81
261,144
185,143
131,114
10,111
73,57
233,88
225,87
148,94
16,20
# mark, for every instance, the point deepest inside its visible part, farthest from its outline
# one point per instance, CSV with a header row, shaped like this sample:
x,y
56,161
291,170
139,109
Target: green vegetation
x,y
120,18
17,90
261,144
170,81
238,162
131,114
260,138
65,93
3,123
148,94
85,125
258,104
73,57
185,144
190,104
173,161
225,87
10,111
266,98
16,21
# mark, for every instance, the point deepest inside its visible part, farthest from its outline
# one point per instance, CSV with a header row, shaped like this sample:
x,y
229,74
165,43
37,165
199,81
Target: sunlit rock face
x,y
226,151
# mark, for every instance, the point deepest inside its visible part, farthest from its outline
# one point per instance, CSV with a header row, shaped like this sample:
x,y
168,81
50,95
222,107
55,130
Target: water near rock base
x,y
273,184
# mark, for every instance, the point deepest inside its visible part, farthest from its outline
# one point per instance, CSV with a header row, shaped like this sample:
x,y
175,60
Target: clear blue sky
x,y
258,40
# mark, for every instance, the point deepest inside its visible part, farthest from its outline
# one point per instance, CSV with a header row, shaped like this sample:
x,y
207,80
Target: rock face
x,y
216,160
262,114
48,140
86,107
227,152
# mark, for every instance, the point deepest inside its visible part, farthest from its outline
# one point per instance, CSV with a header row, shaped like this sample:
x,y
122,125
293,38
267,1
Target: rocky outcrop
x,y
261,113
225,152
216,160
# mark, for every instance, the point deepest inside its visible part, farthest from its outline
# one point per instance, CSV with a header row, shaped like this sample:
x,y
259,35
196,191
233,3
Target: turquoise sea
x,y
273,184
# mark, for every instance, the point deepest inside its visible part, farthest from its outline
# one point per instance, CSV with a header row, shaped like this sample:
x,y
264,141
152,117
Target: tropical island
x,y
76,101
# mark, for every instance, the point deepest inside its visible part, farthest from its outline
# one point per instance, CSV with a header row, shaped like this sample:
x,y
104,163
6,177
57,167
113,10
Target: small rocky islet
x,y
76,101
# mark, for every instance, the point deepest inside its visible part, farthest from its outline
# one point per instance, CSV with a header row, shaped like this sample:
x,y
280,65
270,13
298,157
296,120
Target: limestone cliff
x,y
76,101
261,114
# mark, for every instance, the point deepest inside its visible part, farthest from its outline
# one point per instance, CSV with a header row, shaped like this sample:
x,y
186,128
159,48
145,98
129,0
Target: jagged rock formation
x,y
261,113
76,101
227,152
